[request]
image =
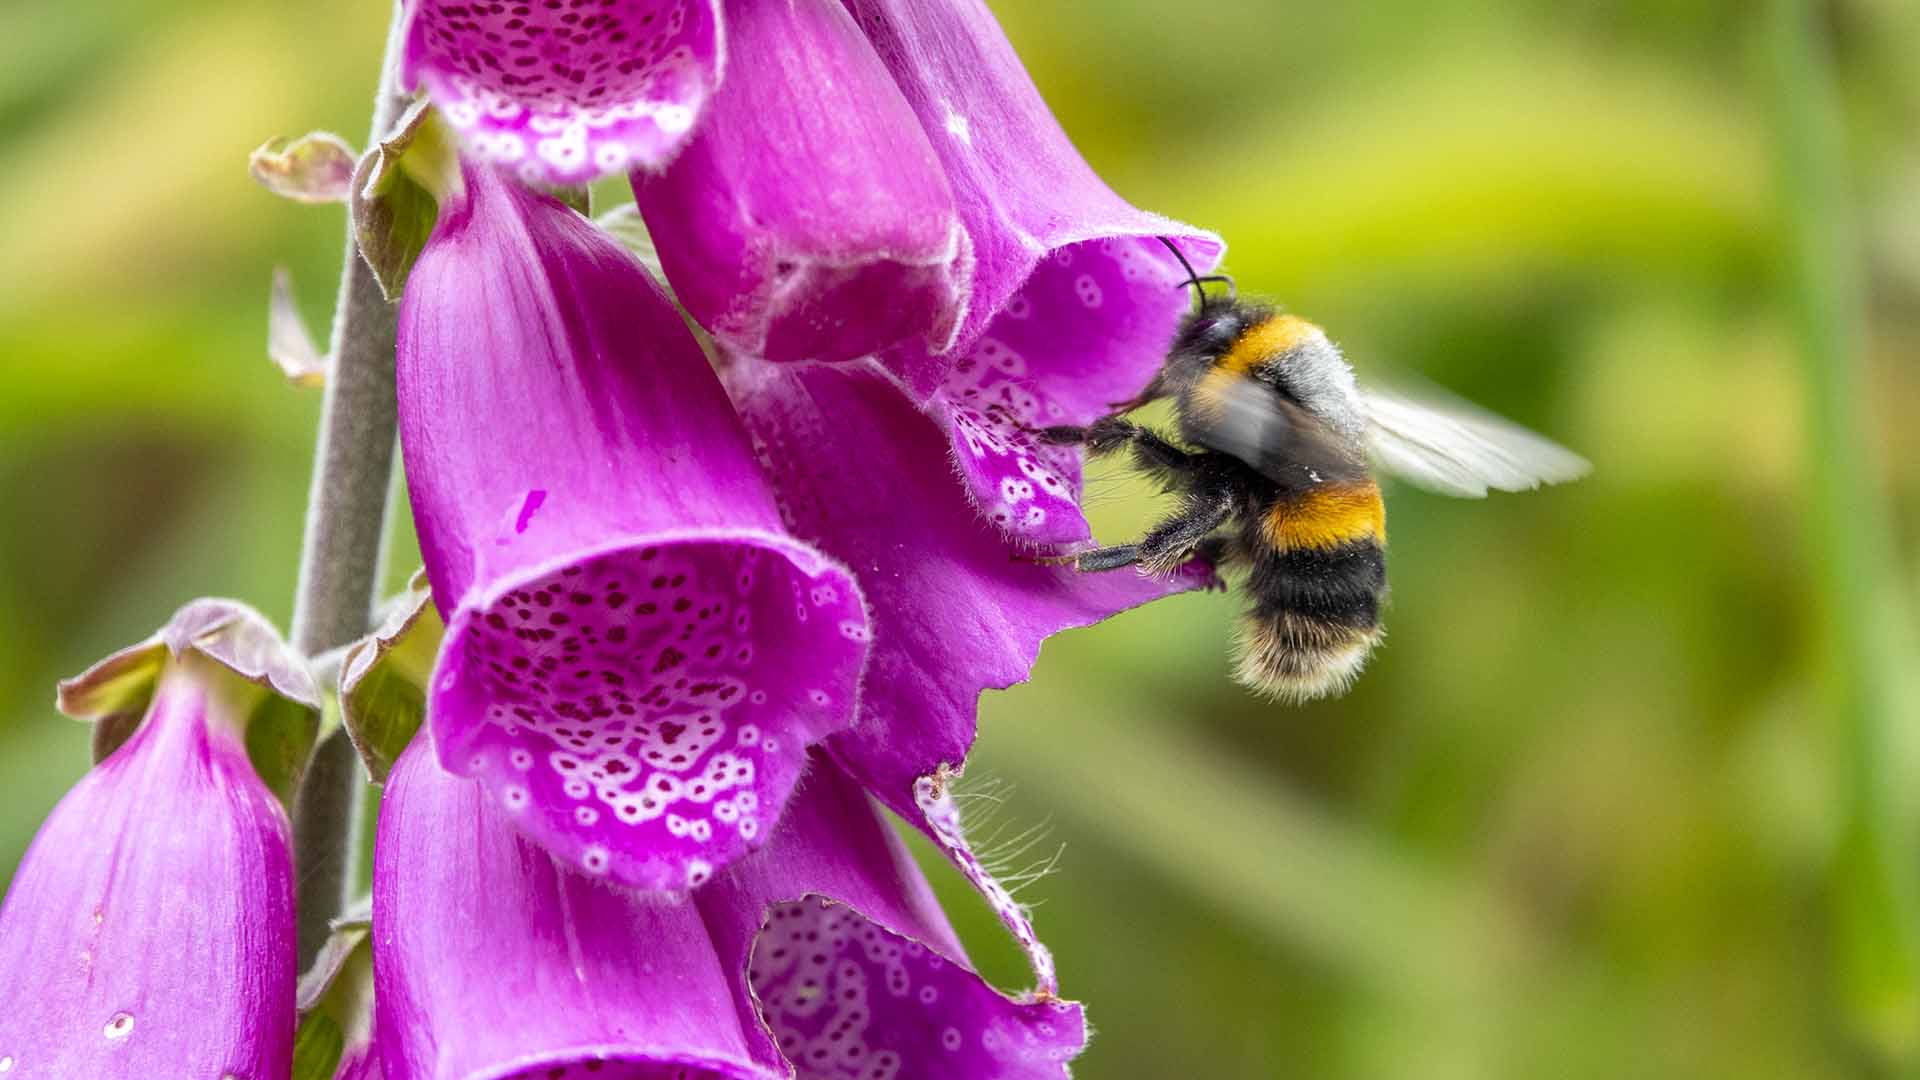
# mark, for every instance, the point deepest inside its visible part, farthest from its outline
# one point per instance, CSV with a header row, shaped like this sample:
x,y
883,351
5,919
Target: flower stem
x,y
1876,937
341,554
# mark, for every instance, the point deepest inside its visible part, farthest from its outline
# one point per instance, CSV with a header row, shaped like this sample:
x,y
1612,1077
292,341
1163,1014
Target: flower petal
x,y
637,655
864,475
855,969
1075,298
810,218
149,930
493,959
564,96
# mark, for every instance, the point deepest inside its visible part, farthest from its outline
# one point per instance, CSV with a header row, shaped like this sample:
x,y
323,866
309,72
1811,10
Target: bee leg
x,y
1149,394
1108,558
1217,552
1151,450
1172,542
1103,436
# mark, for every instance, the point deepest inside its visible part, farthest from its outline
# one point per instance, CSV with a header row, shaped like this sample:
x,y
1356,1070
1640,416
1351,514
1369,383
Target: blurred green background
x,y
1629,790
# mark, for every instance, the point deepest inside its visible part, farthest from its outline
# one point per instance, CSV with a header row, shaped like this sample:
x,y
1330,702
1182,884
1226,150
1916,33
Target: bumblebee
x,y
1273,469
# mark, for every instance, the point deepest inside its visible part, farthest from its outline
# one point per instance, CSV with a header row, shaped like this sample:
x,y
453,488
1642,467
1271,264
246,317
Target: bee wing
x,y
1276,436
1248,421
1456,448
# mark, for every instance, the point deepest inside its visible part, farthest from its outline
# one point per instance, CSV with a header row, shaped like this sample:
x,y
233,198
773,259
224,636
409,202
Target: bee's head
x,y
1212,329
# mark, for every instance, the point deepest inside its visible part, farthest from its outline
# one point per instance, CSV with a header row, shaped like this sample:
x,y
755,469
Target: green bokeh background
x,y
1629,790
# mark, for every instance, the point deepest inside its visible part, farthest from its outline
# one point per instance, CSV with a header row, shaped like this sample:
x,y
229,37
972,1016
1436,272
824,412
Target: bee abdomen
x,y
1316,605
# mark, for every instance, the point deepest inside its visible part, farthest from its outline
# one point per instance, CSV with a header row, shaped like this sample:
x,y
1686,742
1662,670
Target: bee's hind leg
x,y
1172,542
1163,551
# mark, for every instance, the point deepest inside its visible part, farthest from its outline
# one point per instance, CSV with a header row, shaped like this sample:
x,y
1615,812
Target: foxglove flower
x,y
149,930
824,950
563,93
809,219
856,971
492,958
1075,298
865,475
637,654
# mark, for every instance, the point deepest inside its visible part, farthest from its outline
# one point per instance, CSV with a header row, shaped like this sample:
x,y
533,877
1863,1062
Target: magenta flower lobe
x,y
637,655
149,930
810,218
565,92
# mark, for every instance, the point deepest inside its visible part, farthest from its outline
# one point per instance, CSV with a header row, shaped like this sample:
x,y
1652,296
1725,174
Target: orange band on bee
x,y
1265,341
1328,517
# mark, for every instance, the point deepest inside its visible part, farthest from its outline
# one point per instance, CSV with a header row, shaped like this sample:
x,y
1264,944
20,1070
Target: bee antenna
x,y
1198,283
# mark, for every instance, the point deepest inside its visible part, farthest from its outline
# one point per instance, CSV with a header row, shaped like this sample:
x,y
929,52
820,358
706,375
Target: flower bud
x,y
149,930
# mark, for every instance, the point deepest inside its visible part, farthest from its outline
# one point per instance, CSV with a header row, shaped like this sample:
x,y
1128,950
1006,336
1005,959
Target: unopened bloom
x,y
562,93
824,952
809,219
149,930
1075,297
637,654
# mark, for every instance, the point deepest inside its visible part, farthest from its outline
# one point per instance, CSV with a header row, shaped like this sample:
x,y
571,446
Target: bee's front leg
x,y
1103,436
1107,558
1151,450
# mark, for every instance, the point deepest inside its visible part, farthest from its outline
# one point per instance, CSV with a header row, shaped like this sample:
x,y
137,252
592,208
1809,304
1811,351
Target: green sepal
x,y
383,679
264,687
314,168
113,694
317,1047
335,1001
396,194
289,343
629,230
625,225
578,197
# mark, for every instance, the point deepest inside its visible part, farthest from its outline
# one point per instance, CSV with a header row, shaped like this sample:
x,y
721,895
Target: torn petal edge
x,y
940,820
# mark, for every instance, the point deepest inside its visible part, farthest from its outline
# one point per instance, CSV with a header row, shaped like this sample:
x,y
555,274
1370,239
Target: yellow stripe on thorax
x,y
1327,517
1266,340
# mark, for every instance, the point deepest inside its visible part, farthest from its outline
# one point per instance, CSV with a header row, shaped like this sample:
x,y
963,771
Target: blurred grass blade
x,y
1265,858
1853,572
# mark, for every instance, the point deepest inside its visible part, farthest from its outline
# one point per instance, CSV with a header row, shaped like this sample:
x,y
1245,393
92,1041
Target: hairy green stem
x,y
340,559
1874,918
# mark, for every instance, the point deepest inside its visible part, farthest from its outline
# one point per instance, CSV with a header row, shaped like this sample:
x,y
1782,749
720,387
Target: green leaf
x,y
1876,947
397,191
315,168
383,679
